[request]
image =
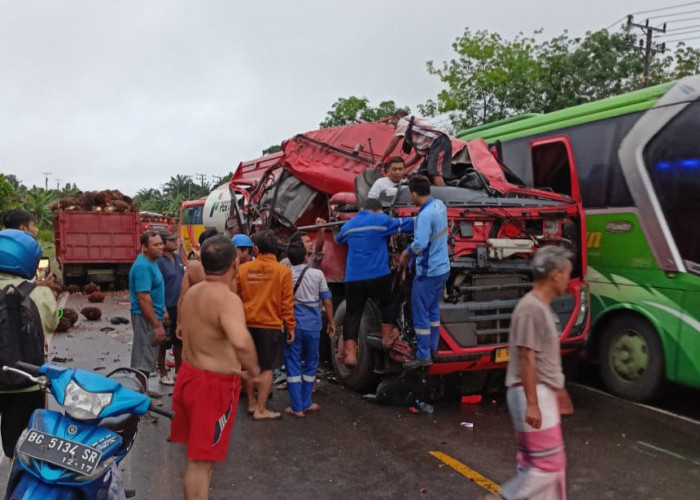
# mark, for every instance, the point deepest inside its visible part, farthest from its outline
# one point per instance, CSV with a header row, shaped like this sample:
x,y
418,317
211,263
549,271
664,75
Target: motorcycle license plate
x,y
501,355
62,452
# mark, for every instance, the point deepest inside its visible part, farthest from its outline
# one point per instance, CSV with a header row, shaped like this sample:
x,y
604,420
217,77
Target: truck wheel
x,y
360,377
632,359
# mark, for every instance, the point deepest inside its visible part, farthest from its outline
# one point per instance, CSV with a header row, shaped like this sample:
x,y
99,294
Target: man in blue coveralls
x,y
429,247
367,273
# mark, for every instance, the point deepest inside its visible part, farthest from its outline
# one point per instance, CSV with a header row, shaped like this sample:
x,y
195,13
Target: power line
x,y
613,24
46,180
684,20
682,39
675,14
671,7
677,33
647,46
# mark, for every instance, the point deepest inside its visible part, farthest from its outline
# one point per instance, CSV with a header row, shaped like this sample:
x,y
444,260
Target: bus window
x,y
672,160
552,166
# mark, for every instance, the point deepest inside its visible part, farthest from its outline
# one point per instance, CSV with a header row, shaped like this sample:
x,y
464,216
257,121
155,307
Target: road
x,y
356,448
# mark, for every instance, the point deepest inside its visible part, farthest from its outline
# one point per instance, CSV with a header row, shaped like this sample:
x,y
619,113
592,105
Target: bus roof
x,y
531,124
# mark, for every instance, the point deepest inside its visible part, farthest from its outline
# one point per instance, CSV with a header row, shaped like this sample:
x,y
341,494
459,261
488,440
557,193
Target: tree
x,y
38,201
275,148
347,110
7,193
492,78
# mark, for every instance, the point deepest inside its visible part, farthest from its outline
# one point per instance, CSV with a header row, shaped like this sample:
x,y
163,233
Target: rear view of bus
x,y
637,159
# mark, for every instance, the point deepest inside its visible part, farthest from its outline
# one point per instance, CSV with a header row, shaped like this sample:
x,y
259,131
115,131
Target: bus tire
x,y
360,377
632,359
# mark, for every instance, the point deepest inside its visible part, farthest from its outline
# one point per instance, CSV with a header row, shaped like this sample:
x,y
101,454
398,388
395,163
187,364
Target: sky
x,y
124,94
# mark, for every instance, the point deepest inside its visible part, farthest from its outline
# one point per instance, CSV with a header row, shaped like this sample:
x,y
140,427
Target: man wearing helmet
x,y
19,257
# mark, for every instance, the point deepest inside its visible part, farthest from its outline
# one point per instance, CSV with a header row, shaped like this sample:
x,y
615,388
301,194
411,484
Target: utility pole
x,y
58,184
202,178
46,180
217,178
646,45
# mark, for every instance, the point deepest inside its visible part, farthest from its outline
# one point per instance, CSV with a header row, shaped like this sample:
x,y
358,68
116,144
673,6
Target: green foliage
x,y
275,148
347,110
38,201
491,78
7,193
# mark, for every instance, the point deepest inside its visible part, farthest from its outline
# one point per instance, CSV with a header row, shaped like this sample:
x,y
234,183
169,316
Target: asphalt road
x,y
356,448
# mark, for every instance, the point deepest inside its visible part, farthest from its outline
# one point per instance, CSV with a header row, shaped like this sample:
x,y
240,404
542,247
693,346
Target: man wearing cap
x,y
244,245
172,269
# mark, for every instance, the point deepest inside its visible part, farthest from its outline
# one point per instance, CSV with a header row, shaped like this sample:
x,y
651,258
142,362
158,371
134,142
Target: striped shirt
x,y
423,133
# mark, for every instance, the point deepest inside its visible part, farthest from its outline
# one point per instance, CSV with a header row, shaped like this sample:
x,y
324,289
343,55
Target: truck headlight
x,y
583,309
84,405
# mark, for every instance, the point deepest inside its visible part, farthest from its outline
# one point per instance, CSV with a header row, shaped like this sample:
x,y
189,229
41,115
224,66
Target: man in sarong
x,y
536,396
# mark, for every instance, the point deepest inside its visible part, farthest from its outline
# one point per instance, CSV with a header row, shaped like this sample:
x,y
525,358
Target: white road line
x,y
667,452
641,405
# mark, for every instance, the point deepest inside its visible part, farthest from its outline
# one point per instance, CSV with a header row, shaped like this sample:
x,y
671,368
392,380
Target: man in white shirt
x,y
395,171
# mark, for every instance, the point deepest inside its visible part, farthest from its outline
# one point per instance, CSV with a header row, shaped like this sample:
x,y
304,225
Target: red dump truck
x,y
96,246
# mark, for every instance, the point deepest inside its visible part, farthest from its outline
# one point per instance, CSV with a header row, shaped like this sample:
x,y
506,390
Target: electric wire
x,y
682,39
670,7
675,14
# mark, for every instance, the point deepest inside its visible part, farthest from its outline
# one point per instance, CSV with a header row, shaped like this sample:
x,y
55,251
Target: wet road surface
x,y
356,448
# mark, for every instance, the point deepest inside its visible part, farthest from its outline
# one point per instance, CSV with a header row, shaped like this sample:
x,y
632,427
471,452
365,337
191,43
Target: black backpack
x,y
408,138
21,334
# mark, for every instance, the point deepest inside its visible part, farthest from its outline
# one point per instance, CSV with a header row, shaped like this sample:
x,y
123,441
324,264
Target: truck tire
x,y
632,359
360,377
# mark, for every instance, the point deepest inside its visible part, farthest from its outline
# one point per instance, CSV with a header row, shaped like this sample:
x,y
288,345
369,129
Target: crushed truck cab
x,y
495,225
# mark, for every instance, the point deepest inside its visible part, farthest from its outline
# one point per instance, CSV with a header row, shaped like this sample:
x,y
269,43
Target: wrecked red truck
x,y
495,222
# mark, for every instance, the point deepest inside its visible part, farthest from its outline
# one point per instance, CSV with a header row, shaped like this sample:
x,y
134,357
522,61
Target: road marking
x,y
667,452
642,405
467,472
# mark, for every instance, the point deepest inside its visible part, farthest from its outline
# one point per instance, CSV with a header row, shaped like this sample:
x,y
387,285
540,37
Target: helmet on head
x,y
242,241
19,253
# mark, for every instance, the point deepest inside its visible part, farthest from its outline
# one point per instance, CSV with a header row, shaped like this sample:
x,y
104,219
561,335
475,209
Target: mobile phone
x,y
44,269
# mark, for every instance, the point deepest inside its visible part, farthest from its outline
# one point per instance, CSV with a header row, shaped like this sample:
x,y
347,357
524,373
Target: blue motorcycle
x,y
74,455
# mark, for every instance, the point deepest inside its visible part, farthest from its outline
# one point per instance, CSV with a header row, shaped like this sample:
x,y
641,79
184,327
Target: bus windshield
x,y
673,161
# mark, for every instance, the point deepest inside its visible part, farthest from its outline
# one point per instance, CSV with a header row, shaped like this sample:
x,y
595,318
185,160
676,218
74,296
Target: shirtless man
x,y
194,273
217,351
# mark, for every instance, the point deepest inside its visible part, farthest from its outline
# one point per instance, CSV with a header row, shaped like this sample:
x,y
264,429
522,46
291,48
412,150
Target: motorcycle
x,y
74,455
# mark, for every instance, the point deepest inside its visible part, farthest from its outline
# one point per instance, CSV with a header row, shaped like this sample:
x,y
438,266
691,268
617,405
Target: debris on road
x,y
91,313
472,399
71,315
59,359
96,297
91,288
119,320
468,425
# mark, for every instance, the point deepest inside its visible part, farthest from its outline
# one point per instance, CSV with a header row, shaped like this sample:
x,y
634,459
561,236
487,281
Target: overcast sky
x,y
123,94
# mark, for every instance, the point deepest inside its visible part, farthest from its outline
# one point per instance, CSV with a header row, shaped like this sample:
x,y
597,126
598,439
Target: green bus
x,y
636,158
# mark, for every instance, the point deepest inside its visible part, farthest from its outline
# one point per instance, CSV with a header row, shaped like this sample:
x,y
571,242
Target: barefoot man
x,y
217,347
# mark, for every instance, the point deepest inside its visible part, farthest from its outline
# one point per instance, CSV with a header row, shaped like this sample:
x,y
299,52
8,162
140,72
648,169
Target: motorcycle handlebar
x,y
28,367
161,411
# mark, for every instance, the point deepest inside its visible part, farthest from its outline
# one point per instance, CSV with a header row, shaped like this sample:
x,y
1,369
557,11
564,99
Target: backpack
x,y
21,334
408,138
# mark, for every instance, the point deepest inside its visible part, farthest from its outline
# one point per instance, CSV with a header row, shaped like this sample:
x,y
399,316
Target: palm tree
x,y
178,184
38,201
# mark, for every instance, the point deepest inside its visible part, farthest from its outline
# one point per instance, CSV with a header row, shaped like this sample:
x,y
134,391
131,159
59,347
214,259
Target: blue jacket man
x,y
429,247
367,273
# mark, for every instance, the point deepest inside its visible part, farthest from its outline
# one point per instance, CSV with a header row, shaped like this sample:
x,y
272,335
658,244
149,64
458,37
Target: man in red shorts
x,y
217,347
